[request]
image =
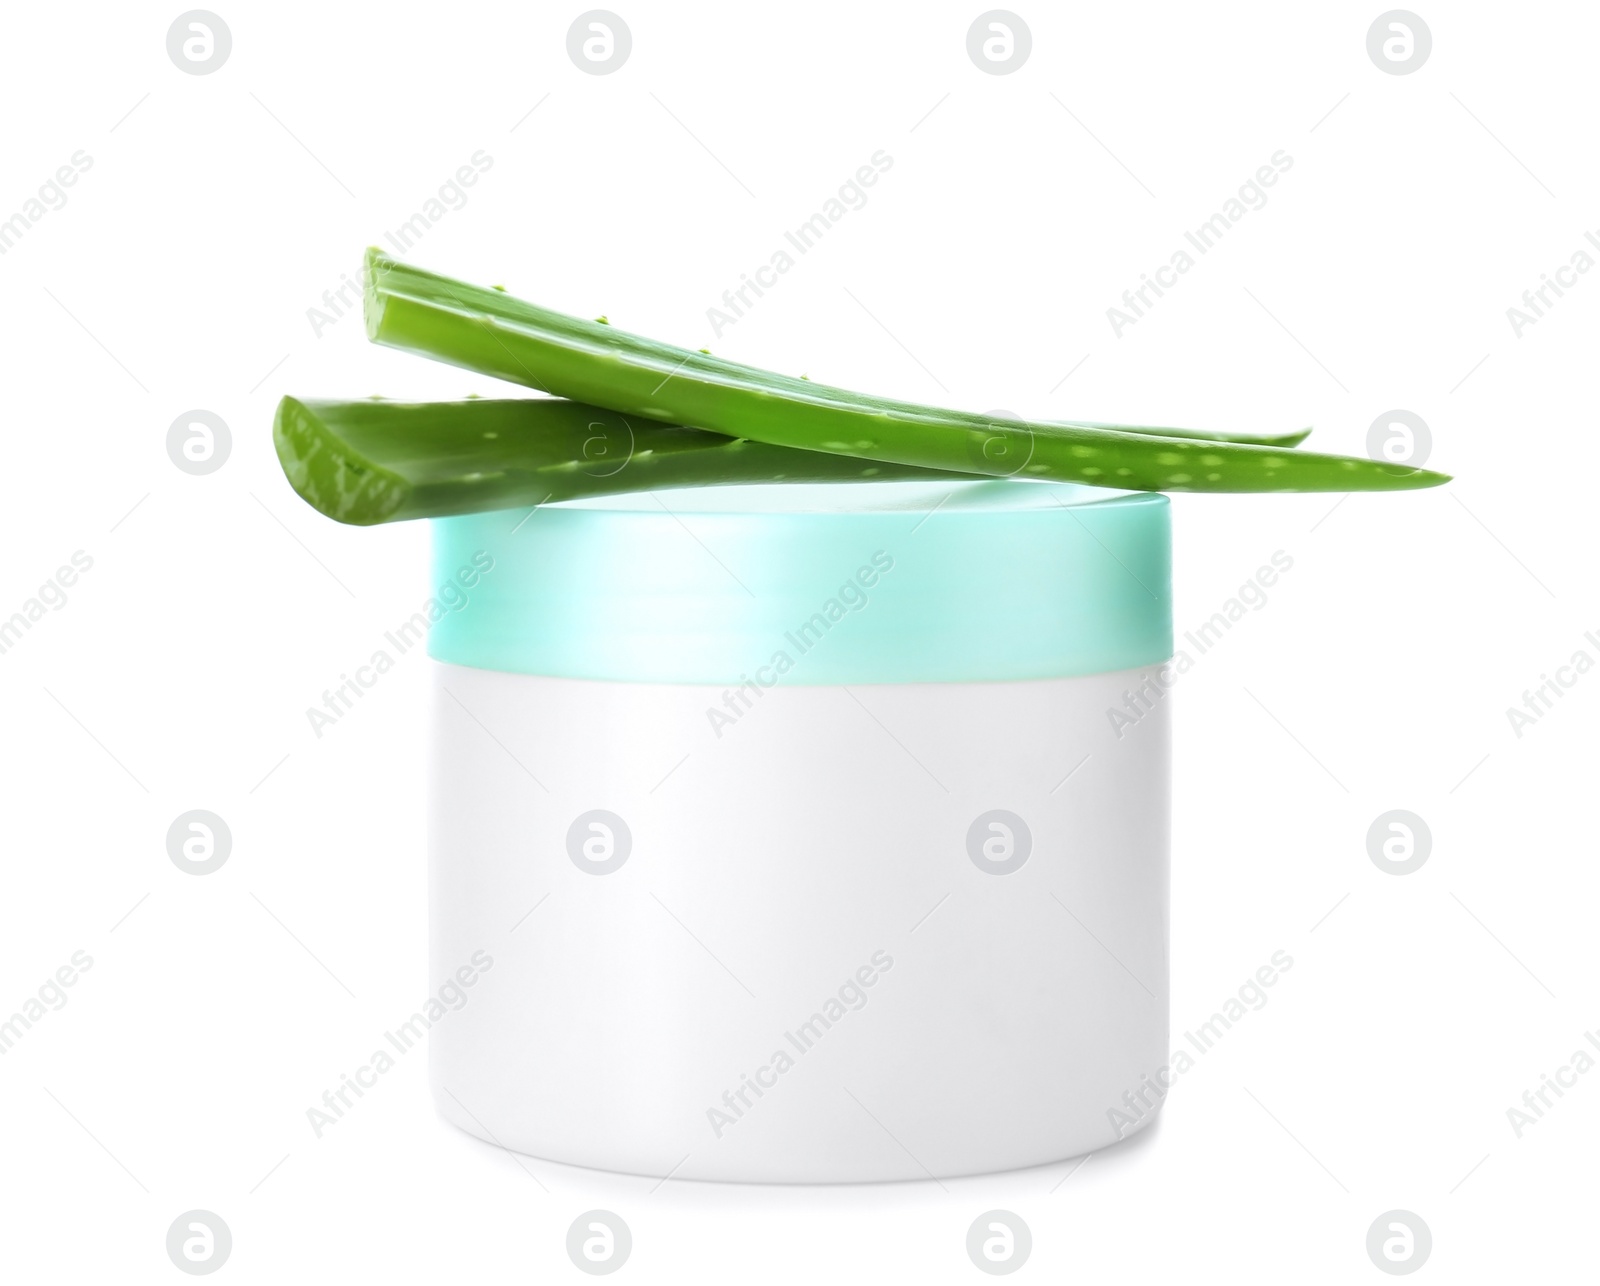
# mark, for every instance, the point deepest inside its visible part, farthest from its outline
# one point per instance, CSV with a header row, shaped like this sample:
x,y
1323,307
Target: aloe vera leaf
x,y
376,461
491,332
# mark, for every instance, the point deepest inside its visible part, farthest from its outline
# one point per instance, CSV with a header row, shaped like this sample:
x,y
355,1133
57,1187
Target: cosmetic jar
x,y
803,834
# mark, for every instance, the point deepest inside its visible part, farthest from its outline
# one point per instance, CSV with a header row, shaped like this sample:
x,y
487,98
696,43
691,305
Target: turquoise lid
x,y
889,582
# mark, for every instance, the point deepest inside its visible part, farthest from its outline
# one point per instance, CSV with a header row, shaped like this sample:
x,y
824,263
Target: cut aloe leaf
x,y
377,461
495,334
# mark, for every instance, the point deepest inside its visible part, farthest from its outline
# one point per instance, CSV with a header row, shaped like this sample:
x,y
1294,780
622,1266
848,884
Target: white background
x,y
219,208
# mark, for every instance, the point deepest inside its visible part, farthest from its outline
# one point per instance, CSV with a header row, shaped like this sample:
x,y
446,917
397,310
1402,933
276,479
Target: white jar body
x,y
800,933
